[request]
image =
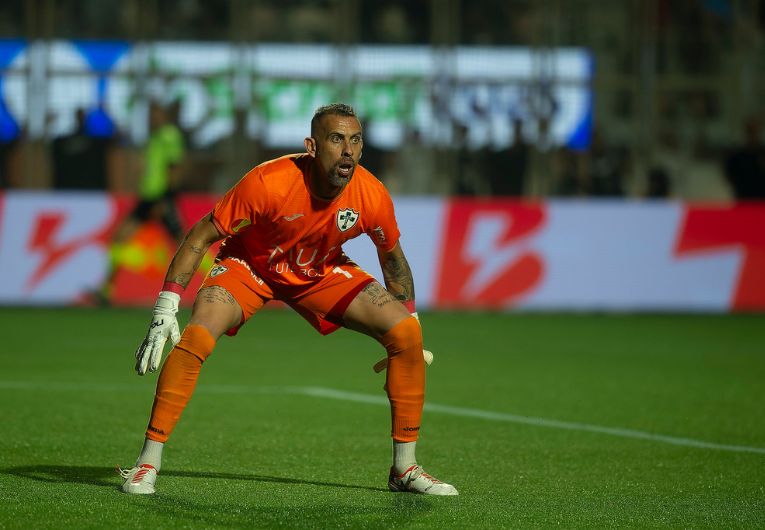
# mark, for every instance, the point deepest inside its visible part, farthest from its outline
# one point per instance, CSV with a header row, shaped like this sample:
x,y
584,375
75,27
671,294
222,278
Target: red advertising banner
x,y
709,228
485,262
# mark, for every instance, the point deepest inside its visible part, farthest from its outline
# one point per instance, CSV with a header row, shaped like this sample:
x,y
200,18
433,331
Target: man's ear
x,y
310,146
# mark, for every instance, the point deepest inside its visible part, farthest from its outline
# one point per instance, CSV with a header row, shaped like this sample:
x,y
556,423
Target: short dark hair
x,y
338,109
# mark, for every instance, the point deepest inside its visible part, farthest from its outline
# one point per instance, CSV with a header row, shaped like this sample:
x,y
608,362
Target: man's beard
x,y
336,179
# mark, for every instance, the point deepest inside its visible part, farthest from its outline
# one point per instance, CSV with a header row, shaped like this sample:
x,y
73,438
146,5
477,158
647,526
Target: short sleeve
x,y
241,205
383,229
173,143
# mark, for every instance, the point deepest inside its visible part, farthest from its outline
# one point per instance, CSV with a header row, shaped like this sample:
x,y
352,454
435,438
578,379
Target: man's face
x,y
336,146
156,117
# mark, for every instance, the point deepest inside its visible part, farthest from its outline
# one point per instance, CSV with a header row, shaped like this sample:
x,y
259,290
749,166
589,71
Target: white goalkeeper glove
x,y
163,326
382,364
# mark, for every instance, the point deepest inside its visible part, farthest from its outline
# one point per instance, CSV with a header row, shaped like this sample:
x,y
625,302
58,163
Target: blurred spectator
x,y
312,22
506,169
235,153
415,165
80,158
658,183
745,165
372,157
264,22
608,166
571,179
10,163
395,21
465,160
165,152
198,19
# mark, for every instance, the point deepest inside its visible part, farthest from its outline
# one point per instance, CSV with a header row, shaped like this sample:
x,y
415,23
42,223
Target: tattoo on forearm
x,y
378,295
183,279
197,253
216,294
398,278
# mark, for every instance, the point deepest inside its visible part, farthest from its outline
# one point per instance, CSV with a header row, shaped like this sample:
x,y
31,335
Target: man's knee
x,y
198,341
402,337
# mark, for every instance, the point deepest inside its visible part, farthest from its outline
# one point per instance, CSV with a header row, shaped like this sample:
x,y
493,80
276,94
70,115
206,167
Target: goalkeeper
x,y
284,224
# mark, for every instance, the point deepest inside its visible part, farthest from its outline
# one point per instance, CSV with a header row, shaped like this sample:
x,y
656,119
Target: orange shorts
x,y
322,303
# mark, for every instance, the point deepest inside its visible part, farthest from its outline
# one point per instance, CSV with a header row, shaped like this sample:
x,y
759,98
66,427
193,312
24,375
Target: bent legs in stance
x,y
215,311
373,311
378,314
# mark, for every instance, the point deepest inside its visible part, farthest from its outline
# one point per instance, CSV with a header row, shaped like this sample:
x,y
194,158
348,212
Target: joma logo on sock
x,y
411,428
159,431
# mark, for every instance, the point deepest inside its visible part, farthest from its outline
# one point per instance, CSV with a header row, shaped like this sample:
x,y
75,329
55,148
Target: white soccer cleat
x,y
139,480
415,480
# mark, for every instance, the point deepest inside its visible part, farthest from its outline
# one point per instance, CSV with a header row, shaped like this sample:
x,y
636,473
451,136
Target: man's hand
x,y
163,326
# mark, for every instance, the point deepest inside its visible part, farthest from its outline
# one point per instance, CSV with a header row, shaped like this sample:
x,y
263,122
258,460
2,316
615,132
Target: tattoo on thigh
x,y
216,294
378,294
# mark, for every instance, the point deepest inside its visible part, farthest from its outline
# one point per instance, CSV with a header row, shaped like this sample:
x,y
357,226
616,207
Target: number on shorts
x,y
338,270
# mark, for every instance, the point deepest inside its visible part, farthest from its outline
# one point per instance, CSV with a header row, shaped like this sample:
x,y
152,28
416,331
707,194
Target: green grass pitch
x,y
540,420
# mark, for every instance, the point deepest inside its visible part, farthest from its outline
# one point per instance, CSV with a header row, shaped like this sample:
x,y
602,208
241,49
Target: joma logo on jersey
x,y
239,224
346,219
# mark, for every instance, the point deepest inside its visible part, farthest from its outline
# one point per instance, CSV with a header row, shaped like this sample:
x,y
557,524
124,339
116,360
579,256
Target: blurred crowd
x,y
678,95
88,159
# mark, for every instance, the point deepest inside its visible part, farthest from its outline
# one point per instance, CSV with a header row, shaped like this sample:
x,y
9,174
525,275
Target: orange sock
x,y
405,381
177,380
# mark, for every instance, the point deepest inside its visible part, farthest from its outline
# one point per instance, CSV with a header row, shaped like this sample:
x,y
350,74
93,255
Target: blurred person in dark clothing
x,y
659,186
374,157
466,163
80,158
571,179
745,165
507,168
9,163
607,167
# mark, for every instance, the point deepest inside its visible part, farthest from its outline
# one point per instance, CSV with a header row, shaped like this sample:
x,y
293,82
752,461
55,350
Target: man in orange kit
x,y
284,224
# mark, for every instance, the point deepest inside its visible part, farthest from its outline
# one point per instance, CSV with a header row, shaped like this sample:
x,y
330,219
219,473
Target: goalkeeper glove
x,y
163,326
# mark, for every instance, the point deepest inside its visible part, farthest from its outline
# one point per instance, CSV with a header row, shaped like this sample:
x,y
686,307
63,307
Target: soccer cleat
x,y
415,480
138,480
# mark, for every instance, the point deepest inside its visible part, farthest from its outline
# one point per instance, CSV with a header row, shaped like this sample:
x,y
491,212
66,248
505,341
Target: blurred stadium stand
x,y
672,87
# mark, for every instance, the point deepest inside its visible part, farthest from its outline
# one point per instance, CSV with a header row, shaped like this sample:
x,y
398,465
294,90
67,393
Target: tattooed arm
x,y
164,324
191,251
399,283
397,274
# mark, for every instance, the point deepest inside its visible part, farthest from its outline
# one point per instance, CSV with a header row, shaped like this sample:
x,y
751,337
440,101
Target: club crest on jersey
x,y
218,269
346,219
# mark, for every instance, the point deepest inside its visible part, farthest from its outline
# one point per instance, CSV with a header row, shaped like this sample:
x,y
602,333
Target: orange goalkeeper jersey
x,y
289,237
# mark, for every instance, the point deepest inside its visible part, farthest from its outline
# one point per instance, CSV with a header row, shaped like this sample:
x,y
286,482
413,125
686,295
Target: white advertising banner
x,y
479,254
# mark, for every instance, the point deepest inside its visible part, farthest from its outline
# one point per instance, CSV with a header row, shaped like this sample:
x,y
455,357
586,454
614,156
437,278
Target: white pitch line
x,y
529,420
341,395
